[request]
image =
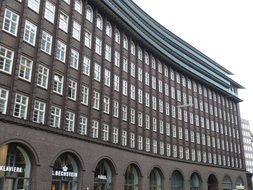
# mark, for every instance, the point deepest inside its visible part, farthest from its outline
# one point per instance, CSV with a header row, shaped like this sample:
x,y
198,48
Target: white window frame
x,y
20,106
55,117
46,42
6,60
49,13
30,32
25,68
10,22
4,97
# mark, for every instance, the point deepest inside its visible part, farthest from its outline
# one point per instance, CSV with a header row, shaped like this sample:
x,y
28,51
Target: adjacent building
x,y
98,95
247,144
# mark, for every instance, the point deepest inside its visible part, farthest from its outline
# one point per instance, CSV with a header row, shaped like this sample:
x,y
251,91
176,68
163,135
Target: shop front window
x,y
15,168
195,182
65,173
177,182
131,178
155,180
103,176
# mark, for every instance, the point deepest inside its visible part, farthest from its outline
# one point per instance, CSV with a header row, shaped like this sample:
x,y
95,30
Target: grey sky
x,y
223,30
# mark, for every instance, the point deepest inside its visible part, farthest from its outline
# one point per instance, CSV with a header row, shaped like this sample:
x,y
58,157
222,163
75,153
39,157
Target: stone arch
x,y
28,147
76,155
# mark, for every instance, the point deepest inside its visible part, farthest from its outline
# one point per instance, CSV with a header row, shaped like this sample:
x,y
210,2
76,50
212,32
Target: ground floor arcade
x,y
39,159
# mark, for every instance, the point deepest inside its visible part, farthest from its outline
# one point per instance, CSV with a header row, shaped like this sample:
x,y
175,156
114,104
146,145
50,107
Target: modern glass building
x,y
96,95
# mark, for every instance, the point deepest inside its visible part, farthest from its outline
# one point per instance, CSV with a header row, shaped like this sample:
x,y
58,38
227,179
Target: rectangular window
x,y
86,66
85,95
83,125
153,82
139,74
132,116
174,131
132,92
34,5
3,100
61,51
161,126
74,59
174,151
96,99
58,83
140,143
132,140
97,72
154,146
140,96
10,23
108,52
147,78
49,12
39,111
117,58
167,129
125,64
6,60
147,101
140,120
181,152
87,39
148,144
168,150
78,6
154,102
132,69
160,86
124,87
147,122
107,77
46,42
106,105
63,22
161,148
94,129
116,82
25,68
30,33
124,138
186,134
115,135
154,124
105,132
70,121
72,88
55,117
124,112
76,30
115,108
98,46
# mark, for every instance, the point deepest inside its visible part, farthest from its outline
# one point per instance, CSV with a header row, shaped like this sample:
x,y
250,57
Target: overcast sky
x,y
221,29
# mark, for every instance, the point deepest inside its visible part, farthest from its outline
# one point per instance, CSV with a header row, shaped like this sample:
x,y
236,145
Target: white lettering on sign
x,y
11,169
102,177
64,173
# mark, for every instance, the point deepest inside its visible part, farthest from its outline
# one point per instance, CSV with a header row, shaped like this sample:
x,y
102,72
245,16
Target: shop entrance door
x,y
62,185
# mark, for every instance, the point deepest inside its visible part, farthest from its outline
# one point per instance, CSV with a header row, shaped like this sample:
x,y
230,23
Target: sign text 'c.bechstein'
x,y
64,174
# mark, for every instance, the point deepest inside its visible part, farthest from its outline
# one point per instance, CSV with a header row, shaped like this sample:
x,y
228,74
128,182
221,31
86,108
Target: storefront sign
x,y
64,173
102,177
11,169
240,187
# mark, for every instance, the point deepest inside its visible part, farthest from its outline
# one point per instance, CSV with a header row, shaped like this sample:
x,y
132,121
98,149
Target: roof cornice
x,y
175,49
